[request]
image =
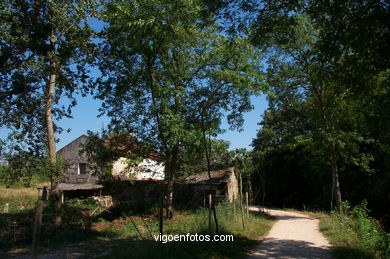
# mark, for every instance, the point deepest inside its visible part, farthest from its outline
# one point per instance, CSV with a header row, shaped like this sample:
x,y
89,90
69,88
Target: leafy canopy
x,y
165,65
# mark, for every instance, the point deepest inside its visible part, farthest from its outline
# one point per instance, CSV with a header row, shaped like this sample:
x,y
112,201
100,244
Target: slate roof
x,y
217,176
73,187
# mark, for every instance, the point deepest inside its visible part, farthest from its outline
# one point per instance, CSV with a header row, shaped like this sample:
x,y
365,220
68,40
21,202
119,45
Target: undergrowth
x,y
85,222
355,235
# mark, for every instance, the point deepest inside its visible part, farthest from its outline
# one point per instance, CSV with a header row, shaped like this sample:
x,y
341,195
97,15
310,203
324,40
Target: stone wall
x,y
71,157
232,187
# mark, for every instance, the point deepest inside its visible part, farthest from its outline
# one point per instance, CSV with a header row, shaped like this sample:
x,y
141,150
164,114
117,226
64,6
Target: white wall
x,y
146,169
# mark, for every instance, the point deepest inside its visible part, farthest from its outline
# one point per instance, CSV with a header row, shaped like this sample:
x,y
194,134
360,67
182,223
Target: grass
x,y
16,214
17,199
355,235
257,225
89,228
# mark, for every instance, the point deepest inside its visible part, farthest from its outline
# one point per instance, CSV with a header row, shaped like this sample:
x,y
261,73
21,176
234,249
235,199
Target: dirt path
x,y
294,235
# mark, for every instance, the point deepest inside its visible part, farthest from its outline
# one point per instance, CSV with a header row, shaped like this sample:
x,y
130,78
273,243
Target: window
x,y
82,169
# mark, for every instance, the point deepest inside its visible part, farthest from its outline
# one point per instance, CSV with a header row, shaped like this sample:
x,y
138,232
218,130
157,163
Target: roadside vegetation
x,y
354,234
90,227
256,226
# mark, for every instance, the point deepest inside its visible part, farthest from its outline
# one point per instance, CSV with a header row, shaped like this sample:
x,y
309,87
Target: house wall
x,y
192,193
232,187
121,168
71,157
146,169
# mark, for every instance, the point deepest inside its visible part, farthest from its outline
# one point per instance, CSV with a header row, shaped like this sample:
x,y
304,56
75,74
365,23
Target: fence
x,y
239,208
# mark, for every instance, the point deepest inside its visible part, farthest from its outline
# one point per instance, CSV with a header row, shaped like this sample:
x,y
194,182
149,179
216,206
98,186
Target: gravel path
x,y
294,235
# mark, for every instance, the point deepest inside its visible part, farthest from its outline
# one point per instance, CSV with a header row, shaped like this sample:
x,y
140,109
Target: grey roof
x,y
217,176
76,139
76,186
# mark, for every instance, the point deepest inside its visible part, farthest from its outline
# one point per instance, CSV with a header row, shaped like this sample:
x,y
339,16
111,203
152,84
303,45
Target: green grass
x,y
86,226
18,199
18,221
256,226
355,235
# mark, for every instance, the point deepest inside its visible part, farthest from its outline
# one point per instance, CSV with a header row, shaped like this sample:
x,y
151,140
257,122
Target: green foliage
x,y
193,157
101,156
167,65
104,148
355,231
53,170
119,236
326,101
40,39
25,169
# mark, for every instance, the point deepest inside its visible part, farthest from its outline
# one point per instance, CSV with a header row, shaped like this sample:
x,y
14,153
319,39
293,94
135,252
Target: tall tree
x,y
45,49
322,48
161,60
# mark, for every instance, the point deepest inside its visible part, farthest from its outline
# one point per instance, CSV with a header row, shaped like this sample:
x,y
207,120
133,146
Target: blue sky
x,y
85,118
86,111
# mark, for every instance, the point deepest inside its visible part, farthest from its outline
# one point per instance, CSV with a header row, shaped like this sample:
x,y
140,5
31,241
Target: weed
x,y
134,233
355,234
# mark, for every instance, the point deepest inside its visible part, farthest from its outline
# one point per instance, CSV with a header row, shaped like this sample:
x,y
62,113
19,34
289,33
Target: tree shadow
x,y
280,248
293,218
16,229
135,248
76,242
351,253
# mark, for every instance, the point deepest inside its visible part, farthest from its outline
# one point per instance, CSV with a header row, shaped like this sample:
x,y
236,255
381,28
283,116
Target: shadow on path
x,y
293,218
278,248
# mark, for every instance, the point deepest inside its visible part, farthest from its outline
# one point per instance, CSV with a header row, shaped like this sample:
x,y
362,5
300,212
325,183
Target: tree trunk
x,y
171,179
54,191
329,124
208,158
169,208
335,179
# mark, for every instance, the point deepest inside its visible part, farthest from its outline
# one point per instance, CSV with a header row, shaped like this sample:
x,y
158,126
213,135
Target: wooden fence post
x,y
210,213
234,205
37,229
242,212
38,223
247,204
161,214
62,197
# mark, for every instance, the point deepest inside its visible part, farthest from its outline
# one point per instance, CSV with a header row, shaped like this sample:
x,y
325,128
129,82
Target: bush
x,y
357,230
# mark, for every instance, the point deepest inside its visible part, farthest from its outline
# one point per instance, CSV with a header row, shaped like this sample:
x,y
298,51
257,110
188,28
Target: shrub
x,y
359,231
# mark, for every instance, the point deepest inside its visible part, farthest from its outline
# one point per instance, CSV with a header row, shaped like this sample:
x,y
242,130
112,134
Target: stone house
x,y
146,177
76,164
78,170
223,184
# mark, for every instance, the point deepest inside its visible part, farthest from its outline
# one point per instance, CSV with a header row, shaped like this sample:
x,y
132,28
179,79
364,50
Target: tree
x,y
160,61
45,49
192,157
105,148
321,47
